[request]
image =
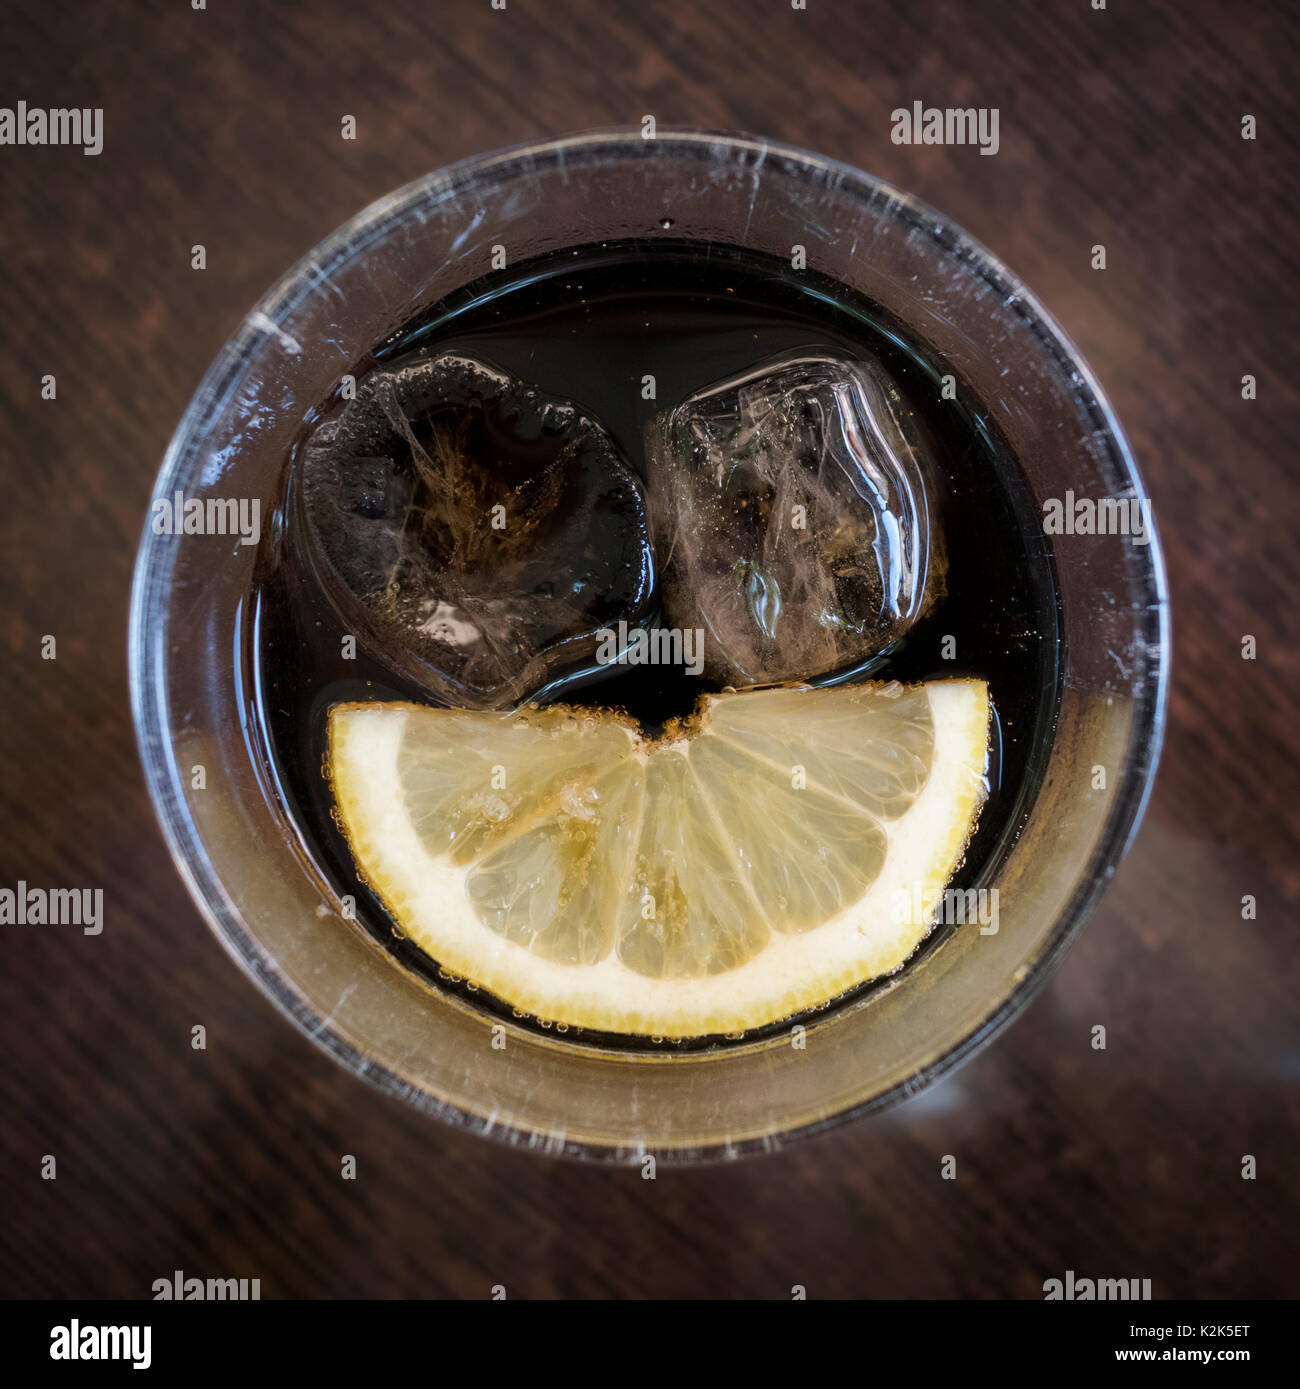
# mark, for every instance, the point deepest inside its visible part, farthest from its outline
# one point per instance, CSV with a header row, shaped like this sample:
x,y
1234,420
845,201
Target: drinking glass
x,y
252,873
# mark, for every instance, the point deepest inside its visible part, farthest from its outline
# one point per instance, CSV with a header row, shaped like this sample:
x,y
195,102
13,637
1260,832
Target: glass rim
x,y
148,657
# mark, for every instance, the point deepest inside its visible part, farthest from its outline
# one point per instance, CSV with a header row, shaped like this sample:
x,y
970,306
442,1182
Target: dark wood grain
x,y
222,127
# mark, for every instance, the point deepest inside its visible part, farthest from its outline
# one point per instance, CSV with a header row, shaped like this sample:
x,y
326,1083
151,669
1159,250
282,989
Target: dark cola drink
x,y
541,490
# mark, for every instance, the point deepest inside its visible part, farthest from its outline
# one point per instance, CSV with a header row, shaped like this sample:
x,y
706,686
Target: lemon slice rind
x,y
871,937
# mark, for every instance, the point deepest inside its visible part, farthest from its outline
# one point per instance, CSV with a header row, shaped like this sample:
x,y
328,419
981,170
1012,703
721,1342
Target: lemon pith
x,y
780,849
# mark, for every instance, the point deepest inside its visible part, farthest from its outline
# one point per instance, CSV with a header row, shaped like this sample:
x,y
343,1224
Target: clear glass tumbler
x,y
253,876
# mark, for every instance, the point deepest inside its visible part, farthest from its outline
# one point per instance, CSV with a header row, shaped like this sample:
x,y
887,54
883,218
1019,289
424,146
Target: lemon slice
x,y
776,849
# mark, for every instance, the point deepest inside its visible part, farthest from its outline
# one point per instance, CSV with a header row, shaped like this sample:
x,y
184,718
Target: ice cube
x,y
793,508
478,532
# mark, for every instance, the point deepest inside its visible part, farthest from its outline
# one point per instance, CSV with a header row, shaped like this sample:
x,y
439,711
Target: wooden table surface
x,y
222,126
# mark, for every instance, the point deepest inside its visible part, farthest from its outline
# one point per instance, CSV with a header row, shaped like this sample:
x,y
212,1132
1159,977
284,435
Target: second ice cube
x,y
794,511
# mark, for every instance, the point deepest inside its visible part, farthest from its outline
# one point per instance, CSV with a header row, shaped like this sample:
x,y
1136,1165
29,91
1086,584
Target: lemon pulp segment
x,y
776,850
